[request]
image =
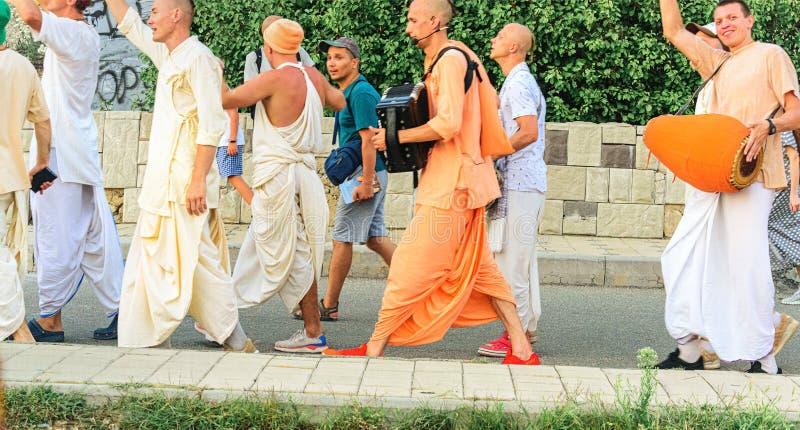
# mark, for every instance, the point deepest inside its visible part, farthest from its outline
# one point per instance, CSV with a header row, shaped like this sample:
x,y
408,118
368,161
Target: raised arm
x,y
118,9
672,26
29,13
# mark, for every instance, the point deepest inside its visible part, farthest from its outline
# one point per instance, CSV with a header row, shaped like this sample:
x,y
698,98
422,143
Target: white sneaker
x,y
794,299
299,342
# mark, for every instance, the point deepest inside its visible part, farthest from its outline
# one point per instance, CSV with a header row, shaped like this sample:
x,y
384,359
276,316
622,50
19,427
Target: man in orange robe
x,y
443,274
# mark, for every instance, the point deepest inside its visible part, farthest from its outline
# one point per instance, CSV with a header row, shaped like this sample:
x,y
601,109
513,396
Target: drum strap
x,y
700,88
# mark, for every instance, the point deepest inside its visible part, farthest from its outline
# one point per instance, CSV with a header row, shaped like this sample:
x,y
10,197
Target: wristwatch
x,y
772,129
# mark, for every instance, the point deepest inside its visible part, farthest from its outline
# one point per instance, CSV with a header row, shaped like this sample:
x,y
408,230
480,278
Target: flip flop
x,y
42,335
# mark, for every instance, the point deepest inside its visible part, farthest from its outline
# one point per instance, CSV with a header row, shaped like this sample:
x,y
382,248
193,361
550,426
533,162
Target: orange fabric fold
x,y
442,275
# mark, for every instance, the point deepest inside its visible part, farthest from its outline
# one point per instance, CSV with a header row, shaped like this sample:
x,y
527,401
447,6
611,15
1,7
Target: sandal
x,y
325,313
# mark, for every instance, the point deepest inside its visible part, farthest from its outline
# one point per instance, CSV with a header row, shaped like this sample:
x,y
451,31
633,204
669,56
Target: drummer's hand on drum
x,y
378,138
758,137
794,202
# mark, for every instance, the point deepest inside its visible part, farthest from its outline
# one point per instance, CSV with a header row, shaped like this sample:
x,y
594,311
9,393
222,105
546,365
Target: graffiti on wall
x,y
118,82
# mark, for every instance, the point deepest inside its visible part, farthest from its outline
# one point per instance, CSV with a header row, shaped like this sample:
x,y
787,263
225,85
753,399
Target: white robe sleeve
x,y
142,37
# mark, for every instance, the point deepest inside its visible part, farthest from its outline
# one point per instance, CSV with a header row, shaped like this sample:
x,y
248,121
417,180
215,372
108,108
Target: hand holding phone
x,y
42,180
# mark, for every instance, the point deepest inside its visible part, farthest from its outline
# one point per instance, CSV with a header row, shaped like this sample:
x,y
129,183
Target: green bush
x,y
597,60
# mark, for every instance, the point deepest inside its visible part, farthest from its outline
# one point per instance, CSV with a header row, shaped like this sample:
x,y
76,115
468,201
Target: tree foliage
x,y
597,60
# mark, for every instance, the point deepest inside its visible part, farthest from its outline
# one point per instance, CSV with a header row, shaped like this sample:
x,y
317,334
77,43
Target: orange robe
x,y
443,274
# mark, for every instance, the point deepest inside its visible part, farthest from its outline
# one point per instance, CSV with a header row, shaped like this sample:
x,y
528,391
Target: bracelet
x,y
232,140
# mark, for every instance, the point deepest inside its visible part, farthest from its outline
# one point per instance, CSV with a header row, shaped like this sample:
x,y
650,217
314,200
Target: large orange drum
x,y
705,151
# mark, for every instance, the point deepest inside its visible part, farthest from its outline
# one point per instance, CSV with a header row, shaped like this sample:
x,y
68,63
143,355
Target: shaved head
x,y
268,21
187,6
522,36
438,8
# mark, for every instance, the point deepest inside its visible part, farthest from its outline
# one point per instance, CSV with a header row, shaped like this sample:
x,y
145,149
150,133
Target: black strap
x,y
259,58
700,88
336,116
472,66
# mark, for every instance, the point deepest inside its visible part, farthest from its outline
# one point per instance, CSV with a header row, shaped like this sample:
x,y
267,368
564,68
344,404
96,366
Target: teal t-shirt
x,y
360,113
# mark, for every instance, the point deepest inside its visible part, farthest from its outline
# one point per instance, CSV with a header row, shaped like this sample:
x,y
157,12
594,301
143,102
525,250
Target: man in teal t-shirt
x,y
361,221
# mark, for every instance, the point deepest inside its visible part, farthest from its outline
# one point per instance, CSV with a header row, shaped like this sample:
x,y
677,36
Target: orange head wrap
x,y
284,36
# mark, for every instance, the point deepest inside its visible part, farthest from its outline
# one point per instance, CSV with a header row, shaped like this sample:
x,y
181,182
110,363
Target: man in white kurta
x,y
178,261
75,237
22,99
283,250
716,267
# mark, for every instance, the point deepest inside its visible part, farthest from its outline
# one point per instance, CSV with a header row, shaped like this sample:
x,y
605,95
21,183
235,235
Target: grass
x,y
41,407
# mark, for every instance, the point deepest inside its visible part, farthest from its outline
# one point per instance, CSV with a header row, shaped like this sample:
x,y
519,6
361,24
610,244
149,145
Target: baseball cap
x,y
5,16
342,42
709,29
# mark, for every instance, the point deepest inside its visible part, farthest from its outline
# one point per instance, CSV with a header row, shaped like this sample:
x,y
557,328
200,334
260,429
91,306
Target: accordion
x,y
401,107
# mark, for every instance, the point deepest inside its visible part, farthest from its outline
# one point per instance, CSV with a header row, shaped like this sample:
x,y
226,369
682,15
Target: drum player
x,y
716,268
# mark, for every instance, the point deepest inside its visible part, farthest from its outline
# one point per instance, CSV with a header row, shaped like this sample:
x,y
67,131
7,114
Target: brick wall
x,y
599,180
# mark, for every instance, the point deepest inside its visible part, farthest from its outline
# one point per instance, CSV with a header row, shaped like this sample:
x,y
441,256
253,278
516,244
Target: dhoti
x,y
442,275
283,250
13,220
75,237
717,273
177,264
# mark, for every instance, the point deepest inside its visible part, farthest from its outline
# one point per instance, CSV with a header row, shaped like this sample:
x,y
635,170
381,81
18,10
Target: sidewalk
x,y
563,260
99,372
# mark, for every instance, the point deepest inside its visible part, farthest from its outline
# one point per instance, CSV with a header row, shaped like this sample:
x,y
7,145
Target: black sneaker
x,y
108,333
755,367
675,362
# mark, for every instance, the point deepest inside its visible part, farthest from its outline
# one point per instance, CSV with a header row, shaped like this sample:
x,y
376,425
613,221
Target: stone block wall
x,y
600,181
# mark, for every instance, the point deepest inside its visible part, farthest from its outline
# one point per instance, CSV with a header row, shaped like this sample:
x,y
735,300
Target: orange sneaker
x,y
360,351
533,360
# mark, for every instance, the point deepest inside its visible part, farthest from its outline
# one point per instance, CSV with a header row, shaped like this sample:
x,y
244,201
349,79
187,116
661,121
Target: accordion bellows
x,y
705,151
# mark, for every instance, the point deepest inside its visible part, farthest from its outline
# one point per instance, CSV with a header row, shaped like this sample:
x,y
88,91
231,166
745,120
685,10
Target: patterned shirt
x,y
520,95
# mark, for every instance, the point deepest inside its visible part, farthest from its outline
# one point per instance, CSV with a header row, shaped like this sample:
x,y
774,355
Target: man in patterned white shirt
x,y
514,218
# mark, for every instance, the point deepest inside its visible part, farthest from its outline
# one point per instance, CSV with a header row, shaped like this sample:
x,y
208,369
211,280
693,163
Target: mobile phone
x,y
40,177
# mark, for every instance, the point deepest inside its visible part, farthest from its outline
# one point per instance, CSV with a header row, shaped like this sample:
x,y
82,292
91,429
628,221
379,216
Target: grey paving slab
x,y
130,368
33,361
185,368
10,349
235,371
82,365
282,379
294,362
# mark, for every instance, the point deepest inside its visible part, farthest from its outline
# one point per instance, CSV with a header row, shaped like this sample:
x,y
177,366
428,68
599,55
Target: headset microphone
x,y
416,41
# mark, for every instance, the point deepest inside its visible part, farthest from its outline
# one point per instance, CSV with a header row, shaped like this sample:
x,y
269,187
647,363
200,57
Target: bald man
x,y
514,219
254,62
75,238
442,273
178,261
283,250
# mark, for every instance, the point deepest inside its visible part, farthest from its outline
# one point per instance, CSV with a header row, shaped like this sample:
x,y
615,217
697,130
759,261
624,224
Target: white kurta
x,y
178,263
283,250
13,219
75,237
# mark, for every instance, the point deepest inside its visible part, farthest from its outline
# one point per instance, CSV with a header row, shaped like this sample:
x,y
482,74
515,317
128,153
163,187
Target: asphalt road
x,y
581,326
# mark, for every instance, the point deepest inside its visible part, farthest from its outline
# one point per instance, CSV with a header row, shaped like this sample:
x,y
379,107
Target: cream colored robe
x,y
283,250
178,263
13,260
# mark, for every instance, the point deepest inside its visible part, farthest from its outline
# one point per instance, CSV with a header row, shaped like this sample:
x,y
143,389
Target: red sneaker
x,y
360,351
513,359
496,347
